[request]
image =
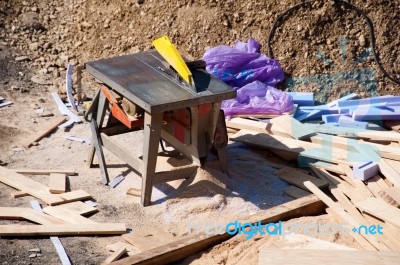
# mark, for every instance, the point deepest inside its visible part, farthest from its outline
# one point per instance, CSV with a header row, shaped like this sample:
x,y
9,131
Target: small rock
x,y
47,45
140,2
41,80
79,43
22,58
86,24
32,256
30,20
361,39
34,46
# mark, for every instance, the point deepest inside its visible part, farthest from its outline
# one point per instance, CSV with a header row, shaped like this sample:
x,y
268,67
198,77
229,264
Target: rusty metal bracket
x,y
117,111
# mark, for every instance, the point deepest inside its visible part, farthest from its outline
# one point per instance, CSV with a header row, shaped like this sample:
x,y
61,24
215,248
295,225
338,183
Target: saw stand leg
x,y
96,122
221,141
152,133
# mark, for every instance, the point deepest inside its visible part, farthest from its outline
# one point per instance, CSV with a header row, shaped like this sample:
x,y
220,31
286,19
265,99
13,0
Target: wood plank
x,y
25,171
149,238
28,214
348,206
19,194
131,250
79,207
256,126
292,127
76,195
356,182
380,209
378,187
28,185
55,240
63,230
48,128
57,183
323,174
296,178
295,192
394,164
345,217
192,244
175,173
121,152
326,257
391,233
67,215
351,192
393,192
297,147
115,256
300,241
348,144
330,167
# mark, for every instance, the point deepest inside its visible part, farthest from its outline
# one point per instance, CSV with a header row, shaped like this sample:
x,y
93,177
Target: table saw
x,y
170,98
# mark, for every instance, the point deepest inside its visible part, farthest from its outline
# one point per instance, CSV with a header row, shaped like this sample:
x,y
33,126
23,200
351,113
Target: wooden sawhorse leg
x,y
152,134
97,118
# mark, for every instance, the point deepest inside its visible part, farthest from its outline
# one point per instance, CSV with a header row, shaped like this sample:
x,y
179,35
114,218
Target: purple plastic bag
x,y
253,75
271,101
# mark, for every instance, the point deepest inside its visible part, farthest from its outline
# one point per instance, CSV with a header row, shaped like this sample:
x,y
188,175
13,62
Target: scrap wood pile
x,y
65,215
359,167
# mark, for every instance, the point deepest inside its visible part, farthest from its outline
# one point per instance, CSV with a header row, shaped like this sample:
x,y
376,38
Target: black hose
x,y
348,5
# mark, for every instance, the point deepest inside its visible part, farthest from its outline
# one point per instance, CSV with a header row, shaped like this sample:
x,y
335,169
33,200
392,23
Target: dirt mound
x,y
318,38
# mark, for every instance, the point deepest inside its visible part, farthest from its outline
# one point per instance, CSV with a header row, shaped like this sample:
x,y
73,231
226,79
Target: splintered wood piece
x,y
67,215
57,183
34,188
79,207
297,178
115,256
381,209
68,172
327,257
295,192
44,132
129,248
149,238
63,230
76,195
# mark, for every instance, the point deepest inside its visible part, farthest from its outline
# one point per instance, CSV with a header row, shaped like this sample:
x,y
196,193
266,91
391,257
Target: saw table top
x,y
138,78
